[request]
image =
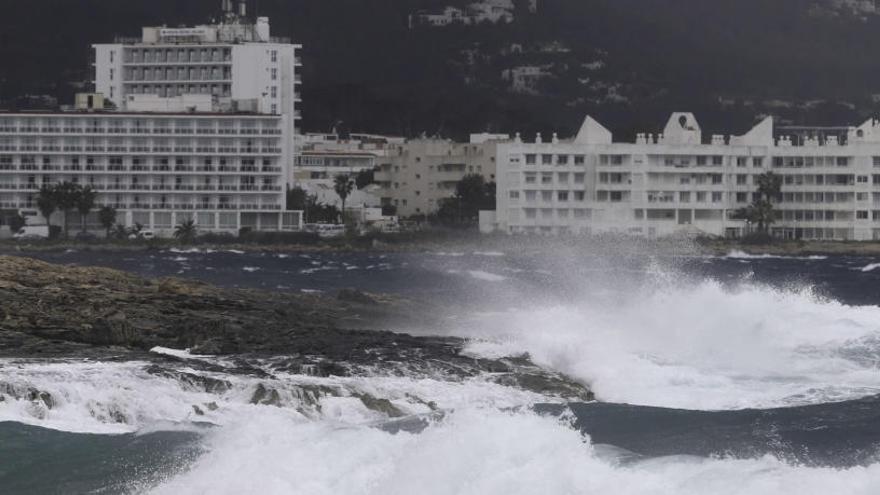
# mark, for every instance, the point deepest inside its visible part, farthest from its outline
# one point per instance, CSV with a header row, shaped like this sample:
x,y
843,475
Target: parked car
x,y
32,232
143,234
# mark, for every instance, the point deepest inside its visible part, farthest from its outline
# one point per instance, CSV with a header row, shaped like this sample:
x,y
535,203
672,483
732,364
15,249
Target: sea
x,y
734,374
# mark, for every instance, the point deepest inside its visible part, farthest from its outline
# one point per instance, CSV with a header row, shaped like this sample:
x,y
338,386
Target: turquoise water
x,y
36,460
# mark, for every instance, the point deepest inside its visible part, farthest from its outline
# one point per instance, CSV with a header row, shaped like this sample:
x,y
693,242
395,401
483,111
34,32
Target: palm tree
x,y
343,186
85,201
107,217
186,232
47,203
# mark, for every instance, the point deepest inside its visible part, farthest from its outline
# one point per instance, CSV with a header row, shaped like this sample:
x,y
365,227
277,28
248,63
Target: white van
x,y
30,232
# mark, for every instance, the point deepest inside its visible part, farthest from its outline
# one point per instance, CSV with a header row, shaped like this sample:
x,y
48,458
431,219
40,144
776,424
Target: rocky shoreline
x,y
58,312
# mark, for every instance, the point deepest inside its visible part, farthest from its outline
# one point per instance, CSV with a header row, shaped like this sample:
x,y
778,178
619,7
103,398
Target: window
x,y
862,179
742,197
717,160
579,178
579,195
562,160
531,178
742,180
684,197
274,74
842,161
546,195
717,197
877,161
579,159
701,160
531,159
563,178
274,56
741,161
562,196
274,91
514,194
862,215
547,159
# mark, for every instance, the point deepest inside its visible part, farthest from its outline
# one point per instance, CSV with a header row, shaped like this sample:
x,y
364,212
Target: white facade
x,y
418,176
201,128
224,171
675,183
236,63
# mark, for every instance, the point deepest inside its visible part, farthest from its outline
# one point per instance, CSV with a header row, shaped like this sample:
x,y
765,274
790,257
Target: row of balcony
x,y
159,187
140,149
223,131
139,168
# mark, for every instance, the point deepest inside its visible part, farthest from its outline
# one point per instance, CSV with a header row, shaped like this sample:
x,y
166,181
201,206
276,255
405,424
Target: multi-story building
x,y
200,126
236,63
418,175
322,157
676,182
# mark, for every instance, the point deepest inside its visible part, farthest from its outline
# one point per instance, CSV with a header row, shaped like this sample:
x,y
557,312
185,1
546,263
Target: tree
x,y
297,199
343,185
761,211
186,232
389,210
67,196
364,178
107,217
16,222
120,232
85,201
47,203
473,194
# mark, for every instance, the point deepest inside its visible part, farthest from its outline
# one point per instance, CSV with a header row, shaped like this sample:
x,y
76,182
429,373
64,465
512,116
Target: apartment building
x,y
224,171
200,126
678,183
418,175
236,63
322,157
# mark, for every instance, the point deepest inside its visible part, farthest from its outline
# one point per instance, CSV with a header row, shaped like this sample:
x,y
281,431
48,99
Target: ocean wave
x,y
483,452
703,346
742,255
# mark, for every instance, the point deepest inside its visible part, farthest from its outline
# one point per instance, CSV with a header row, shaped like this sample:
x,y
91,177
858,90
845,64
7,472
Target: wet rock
x,y
199,382
383,406
198,410
355,296
266,396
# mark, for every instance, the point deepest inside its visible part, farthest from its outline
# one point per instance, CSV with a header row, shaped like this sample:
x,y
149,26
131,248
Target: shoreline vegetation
x,y
452,239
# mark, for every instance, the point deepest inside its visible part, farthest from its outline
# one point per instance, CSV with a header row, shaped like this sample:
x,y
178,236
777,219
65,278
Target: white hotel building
x,y
675,183
200,126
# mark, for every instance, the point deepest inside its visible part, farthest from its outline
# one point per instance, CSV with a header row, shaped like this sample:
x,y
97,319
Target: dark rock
x,y
355,296
383,406
266,396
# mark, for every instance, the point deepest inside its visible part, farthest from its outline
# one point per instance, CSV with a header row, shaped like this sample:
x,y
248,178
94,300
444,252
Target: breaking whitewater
x,y
740,375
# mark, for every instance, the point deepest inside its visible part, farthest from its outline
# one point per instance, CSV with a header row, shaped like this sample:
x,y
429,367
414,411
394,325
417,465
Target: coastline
x,y
464,241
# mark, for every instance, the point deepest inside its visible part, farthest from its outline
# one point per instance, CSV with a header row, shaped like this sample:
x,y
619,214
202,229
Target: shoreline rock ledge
x,y
58,312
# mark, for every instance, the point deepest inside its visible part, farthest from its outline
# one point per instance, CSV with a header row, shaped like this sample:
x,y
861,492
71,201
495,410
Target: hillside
x,y
628,62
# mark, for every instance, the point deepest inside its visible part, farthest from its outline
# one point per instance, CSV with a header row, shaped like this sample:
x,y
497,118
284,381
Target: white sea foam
x,y
251,269
871,267
480,275
479,452
700,347
742,255
489,253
